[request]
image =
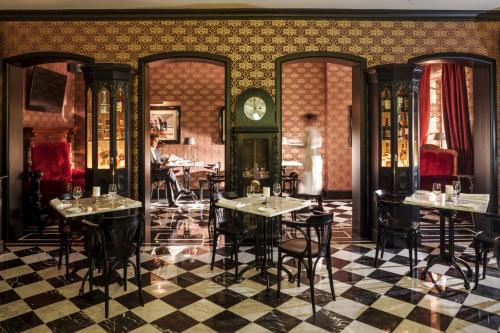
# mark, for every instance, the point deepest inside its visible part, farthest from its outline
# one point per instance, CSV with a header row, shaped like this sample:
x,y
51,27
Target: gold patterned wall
x,y
252,45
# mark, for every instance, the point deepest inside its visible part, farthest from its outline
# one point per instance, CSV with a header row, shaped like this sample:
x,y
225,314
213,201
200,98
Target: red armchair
x,y
437,166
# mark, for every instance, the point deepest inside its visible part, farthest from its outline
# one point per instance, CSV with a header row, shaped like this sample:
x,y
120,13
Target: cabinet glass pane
x,y
89,128
386,130
103,130
402,106
255,158
120,129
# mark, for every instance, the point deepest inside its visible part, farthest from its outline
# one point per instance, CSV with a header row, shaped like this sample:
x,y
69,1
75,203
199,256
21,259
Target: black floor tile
x,y
329,321
406,295
85,301
174,322
277,321
20,323
122,323
180,298
131,300
23,280
347,277
360,295
72,323
38,266
479,317
385,276
28,252
226,321
11,264
190,264
226,298
147,279
380,319
430,318
44,299
270,299
185,279
8,296
321,297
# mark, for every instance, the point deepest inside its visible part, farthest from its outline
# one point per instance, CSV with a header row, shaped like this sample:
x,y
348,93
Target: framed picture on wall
x,y
165,121
222,124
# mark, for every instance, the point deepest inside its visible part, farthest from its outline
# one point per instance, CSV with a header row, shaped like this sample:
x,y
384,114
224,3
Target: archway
x,y
144,115
485,108
359,129
12,126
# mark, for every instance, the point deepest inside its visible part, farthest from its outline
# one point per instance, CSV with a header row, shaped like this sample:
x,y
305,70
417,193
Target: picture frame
x,y
165,121
222,125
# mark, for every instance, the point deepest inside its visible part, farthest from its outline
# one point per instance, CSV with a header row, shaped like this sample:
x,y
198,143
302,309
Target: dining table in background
x,y
265,210
186,169
473,203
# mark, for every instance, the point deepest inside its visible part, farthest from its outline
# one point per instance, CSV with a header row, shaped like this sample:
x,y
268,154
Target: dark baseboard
x,y
338,194
2,248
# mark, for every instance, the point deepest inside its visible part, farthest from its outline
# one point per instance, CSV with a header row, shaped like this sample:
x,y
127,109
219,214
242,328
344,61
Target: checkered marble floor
x,y
182,294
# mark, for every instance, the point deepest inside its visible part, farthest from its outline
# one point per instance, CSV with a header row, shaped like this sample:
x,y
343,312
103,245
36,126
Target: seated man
x,y
171,180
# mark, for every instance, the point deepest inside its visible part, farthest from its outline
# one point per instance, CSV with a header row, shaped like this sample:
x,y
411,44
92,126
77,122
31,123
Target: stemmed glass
x,y
112,190
457,187
276,192
69,188
77,193
436,189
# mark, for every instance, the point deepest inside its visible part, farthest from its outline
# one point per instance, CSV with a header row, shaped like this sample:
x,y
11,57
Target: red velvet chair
x,y
437,166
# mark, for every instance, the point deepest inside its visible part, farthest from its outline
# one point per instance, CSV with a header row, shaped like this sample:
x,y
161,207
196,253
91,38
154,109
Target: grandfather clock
x,y
108,132
255,140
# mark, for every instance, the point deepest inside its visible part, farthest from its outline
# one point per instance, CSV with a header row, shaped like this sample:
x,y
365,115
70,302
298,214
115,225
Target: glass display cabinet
x,y
394,125
107,119
394,106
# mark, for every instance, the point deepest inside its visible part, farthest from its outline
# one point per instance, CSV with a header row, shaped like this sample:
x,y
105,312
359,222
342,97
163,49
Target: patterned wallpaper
x,y
252,45
324,89
198,88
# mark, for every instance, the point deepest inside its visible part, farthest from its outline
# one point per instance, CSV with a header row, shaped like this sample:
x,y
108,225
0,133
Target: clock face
x,y
254,108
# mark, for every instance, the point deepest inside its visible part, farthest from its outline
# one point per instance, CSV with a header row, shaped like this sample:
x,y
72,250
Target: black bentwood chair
x,y
385,202
486,239
227,223
306,248
112,243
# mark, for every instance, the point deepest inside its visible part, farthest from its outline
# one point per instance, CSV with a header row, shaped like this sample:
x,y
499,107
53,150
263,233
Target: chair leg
x,y
410,250
379,239
384,239
415,245
236,246
105,273
61,250
138,276
66,255
330,275
299,268
125,264
214,248
485,262
311,282
478,260
280,263
91,277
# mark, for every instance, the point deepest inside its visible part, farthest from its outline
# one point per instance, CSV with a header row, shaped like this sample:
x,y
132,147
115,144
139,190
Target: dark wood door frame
x,y
143,88
11,123
360,161
485,117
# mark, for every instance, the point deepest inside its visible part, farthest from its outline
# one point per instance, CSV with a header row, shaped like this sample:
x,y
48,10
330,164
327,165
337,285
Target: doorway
x,y
341,112
195,87
481,87
21,111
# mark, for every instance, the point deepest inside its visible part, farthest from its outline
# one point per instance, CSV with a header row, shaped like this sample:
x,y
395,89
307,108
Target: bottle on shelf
x,y
386,130
385,96
403,155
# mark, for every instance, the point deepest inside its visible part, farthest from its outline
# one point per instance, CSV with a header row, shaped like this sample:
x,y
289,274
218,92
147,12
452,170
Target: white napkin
x,y
230,203
59,204
475,197
265,209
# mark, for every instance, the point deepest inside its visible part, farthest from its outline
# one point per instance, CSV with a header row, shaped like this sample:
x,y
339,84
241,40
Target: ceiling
x,y
479,5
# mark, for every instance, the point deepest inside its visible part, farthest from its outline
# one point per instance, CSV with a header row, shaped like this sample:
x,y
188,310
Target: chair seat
x,y
298,246
402,225
238,228
485,237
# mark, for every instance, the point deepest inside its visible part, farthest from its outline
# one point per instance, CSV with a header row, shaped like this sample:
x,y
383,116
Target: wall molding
x,y
248,14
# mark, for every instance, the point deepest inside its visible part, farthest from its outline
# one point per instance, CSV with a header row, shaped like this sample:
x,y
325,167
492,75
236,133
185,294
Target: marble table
x,y
474,203
264,210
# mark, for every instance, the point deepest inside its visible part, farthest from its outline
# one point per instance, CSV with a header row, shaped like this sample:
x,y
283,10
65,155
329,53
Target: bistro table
x,y
264,210
186,169
474,203
89,207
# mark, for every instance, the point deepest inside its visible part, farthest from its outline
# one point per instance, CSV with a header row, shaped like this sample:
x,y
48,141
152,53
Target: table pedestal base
x,y
448,258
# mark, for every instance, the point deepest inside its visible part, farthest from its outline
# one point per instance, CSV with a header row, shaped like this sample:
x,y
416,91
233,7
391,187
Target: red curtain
x,y
456,116
425,103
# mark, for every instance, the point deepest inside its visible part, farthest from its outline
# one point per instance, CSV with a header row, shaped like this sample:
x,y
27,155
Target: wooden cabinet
x,y
108,134
394,112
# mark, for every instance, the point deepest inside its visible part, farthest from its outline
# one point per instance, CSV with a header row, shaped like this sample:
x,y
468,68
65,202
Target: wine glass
x,y
457,187
69,188
436,189
250,191
112,190
77,193
276,192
